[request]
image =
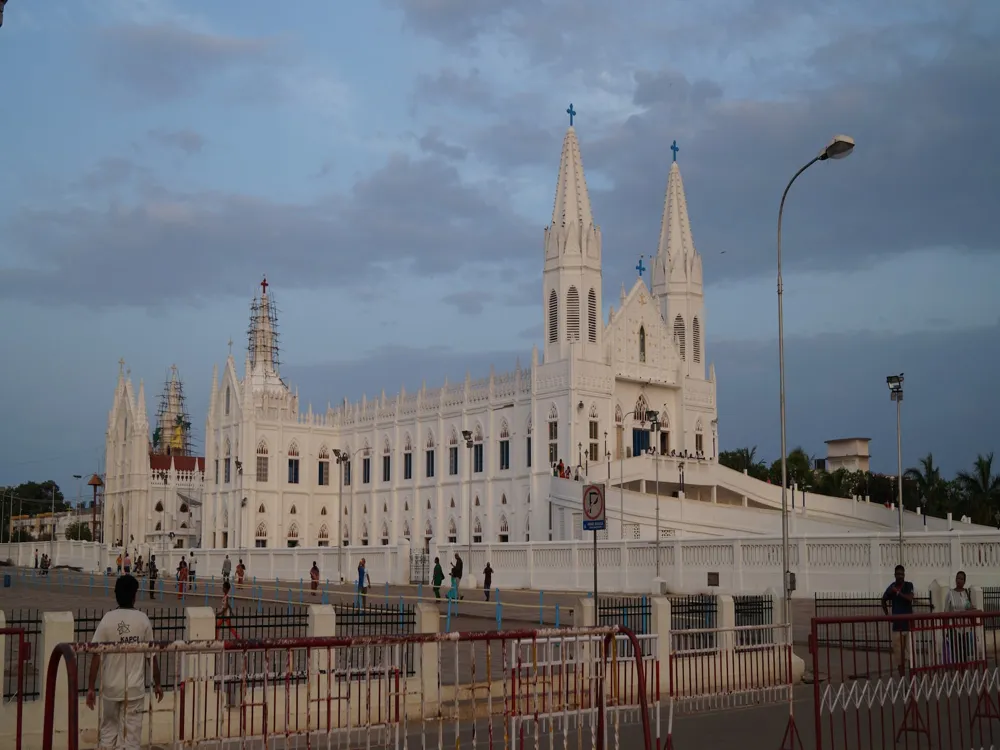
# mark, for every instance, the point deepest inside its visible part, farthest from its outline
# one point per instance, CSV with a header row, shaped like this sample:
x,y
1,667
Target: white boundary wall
x,y
854,562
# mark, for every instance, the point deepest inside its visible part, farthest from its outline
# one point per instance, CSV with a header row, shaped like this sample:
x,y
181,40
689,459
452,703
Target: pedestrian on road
x,y
456,578
900,595
227,568
364,581
487,580
241,570
119,561
123,679
438,577
223,622
314,578
128,564
182,577
191,572
153,573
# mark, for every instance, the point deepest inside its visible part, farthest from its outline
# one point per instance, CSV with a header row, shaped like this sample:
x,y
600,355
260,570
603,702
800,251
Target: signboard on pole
x,y
594,508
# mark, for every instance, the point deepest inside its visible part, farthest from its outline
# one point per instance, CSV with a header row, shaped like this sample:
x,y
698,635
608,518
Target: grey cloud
x,y
924,173
110,173
457,22
187,141
671,88
417,213
167,62
449,86
519,143
469,303
431,143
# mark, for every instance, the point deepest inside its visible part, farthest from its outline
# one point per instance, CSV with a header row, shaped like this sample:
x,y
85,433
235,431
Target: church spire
x,y
676,257
263,334
572,203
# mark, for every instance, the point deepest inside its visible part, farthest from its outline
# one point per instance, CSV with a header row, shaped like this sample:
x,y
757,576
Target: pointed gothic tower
x,y
172,436
677,278
262,349
571,282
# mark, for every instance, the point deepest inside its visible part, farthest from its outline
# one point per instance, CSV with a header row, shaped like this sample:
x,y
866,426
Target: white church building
x,y
472,463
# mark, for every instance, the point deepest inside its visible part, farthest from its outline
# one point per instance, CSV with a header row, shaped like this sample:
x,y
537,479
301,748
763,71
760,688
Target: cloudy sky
x,y
390,166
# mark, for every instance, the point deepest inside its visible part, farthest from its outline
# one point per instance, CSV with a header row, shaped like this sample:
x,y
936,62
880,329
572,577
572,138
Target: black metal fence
x,y
991,605
694,612
376,620
420,567
754,610
634,613
30,621
875,636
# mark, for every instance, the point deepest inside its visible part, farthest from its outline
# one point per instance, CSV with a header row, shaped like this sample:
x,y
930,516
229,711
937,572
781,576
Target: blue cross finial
x,y
640,268
675,148
572,113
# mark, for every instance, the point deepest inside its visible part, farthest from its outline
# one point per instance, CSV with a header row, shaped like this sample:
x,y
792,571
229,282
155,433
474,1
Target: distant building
x,y
41,523
848,453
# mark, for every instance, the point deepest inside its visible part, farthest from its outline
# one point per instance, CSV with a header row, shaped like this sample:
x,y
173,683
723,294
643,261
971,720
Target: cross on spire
x,y
572,113
121,365
675,148
263,286
640,268
230,347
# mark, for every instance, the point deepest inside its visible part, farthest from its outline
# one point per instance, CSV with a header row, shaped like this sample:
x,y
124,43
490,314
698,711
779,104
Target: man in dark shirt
x,y
900,596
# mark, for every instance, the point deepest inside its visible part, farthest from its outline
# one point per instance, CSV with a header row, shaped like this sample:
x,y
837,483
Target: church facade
x,y
472,459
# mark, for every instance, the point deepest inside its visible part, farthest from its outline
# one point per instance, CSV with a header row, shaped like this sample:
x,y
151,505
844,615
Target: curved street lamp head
x,y
838,148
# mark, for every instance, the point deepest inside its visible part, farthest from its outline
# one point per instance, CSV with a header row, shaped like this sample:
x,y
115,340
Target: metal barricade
x,y
720,669
517,689
935,687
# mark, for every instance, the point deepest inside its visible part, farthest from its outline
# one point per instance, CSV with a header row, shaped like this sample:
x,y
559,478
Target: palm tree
x,y
929,483
982,489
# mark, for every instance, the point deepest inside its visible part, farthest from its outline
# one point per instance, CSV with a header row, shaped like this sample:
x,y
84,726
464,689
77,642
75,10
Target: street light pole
x,y
895,383
341,458
838,148
656,461
467,435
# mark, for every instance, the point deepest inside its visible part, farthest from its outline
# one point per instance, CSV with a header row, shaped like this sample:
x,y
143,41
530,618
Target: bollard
x,y
499,616
557,615
387,593
289,602
300,591
260,605
447,619
161,589
106,577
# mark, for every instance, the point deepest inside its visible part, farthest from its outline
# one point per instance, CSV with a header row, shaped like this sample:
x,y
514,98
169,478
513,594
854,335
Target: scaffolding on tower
x,y
262,335
172,436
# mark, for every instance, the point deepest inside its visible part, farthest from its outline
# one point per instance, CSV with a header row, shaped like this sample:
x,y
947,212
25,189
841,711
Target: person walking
x,y
154,572
487,580
438,578
364,580
128,564
223,616
182,577
36,558
227,569
241,570
900,595
123,677
314,578
456,578
119,561
191,572
960,640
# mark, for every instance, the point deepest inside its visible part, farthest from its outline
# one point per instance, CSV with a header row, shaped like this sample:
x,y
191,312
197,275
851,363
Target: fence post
x,y
727,620
199,671
321,622
660,616
428,620
57,627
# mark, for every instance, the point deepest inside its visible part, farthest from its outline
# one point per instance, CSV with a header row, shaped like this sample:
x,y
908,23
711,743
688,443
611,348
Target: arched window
x,y
476,501
406,506
592,316
452,532
159,526
429,463
527,444
699,438
183,508
385,534
261,508
430,439
504,430
261,535
572,314
293,449
553,435
642,343
477,532
323,467
553,318
293,535
323,538
322,511
159,507
429,504
385,507
407,457
504,535
262,462
364,535
227,400
292,511
527,529
503,499
594,431
406,529
227,463
428,529
293,463
679,336
184,525
641,407
619,416
452,502
696,339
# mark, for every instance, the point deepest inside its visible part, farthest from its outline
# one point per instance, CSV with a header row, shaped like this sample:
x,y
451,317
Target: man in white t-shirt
x,y
123,677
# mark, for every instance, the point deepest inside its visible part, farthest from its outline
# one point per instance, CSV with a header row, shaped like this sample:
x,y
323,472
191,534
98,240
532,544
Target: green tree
x,y
928,486
79,531
36,497
982,490
744,459
839,483
22,535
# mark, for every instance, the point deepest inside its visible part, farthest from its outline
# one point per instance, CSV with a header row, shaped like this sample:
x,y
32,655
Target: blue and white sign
x,y
593,508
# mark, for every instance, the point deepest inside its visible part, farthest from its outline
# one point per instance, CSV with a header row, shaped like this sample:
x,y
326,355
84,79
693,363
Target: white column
x,y
428,621
57,627
660,625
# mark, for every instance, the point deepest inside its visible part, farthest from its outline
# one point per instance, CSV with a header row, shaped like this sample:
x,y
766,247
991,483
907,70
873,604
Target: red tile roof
x,y
158,462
